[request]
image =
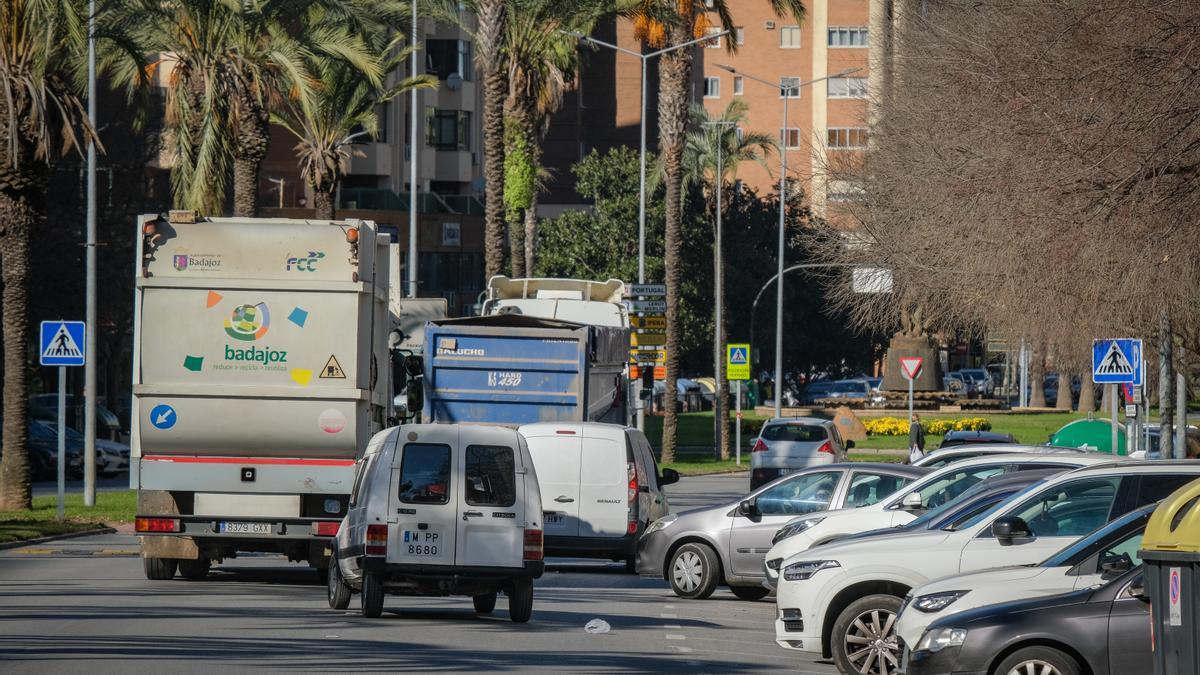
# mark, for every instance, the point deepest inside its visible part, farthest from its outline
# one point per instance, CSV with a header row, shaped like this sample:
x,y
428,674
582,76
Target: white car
x,y
903,506
841,600
1101,556
936,459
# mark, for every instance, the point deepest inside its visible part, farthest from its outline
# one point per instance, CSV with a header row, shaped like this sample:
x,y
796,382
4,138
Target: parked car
x,y
953,438
45,407
1101,631
848,594
601,488
957,383
943,456
1106,553
815,390
933,490
441,509
786,444
42,440
696,550
981,380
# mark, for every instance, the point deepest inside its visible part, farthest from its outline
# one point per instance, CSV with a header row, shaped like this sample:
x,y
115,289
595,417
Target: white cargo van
x,y
441,509
601,488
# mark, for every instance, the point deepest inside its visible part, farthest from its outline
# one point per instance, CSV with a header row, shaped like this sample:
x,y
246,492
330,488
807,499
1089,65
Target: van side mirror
x,y
416,398
911,501
1008,528
748,508
1137,589
1113,566
669,477
414,365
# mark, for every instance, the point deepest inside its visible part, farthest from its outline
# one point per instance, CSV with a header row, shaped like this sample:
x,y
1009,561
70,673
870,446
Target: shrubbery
x,y
896,426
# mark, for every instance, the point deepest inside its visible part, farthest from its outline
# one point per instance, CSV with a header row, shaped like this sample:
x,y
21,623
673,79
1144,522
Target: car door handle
x,y
563,499
472,514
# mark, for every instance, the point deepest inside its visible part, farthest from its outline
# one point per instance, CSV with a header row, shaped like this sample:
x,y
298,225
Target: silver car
x,y
698,549
787,444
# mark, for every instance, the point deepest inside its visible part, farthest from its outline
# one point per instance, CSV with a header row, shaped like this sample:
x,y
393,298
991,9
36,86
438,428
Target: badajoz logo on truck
x,y
249,323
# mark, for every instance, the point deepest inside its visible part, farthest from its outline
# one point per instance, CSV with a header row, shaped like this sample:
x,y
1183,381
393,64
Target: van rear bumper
x,y
593,547
451,573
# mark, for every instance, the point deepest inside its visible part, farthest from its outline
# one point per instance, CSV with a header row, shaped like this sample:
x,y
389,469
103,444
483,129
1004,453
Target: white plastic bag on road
x,y
597,626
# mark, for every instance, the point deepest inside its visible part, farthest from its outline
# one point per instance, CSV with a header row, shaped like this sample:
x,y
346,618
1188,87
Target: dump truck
x,y
595,303
260,371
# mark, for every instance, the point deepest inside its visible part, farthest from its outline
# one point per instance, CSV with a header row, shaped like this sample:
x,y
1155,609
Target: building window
x,y
848,36
448,57
846,137
738,85
847,87
789,37
789,86
844,191
739,34
715,42
712,87
791,137
448,129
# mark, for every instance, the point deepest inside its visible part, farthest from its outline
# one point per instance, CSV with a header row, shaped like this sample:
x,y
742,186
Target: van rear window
x,y
491,476
801,433
425,474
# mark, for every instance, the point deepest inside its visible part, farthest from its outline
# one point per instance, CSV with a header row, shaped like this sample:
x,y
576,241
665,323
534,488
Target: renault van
x,y
441,509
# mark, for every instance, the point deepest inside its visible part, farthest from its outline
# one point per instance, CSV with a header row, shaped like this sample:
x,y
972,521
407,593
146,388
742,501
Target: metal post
x,y
412,164
910,400
719,409
62,441
640,403
738,420
89,340
1112,396
1180,415
779,286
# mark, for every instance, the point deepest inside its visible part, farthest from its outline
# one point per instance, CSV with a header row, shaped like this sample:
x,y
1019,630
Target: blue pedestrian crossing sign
x,y
1117,361
61,343
737,361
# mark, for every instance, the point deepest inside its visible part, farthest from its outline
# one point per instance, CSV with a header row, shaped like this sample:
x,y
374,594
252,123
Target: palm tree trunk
x,y
323,200
531,227
675,78
19,211
515,222
253,140
489,37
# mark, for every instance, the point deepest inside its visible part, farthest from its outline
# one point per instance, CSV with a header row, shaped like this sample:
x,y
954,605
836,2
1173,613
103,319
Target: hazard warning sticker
x,y
333,369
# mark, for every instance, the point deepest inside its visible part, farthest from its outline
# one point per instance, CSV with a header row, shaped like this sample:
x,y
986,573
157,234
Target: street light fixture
x,y
785,90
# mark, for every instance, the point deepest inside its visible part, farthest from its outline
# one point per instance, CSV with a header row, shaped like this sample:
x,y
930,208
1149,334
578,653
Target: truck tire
x,y
338,591
194,570
484,604
159,569
871,621
694,571
520,600
372,596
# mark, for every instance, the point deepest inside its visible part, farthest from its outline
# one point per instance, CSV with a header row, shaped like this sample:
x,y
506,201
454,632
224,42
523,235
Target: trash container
x,y
1171,561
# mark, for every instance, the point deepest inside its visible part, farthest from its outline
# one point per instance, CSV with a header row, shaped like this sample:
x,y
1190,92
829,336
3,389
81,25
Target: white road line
x,y
671,626
669,615
681,650
671,636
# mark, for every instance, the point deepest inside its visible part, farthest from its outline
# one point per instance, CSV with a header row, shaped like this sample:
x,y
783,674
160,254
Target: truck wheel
x,y
520,600
694,571
338,591
372,596
484,604
750,592
159,569
864,636
194,570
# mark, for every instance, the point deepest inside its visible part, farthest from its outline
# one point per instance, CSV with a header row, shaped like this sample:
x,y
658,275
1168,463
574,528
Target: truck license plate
x,y
422,543
230,527
555,519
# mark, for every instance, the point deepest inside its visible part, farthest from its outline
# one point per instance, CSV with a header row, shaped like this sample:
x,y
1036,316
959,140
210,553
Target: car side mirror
x,y
911,501
1113,566
1008,528
849,444
669,477
748,508
1137,589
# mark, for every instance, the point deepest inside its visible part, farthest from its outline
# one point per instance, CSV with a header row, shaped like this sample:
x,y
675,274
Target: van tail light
x,y
826,448
376,540
156,524
631,528
533,545
759,446
327,529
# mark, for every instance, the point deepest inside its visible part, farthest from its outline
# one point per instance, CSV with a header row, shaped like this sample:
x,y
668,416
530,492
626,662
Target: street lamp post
x,y
785,89
89,341
412,163
641,411
719,184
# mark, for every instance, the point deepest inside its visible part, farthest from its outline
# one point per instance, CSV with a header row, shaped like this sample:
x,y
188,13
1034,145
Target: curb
x,y
57,537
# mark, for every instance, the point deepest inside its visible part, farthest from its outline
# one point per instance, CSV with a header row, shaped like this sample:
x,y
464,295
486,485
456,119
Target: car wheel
x,y
864,636
194,570
372,596
631,565
484,604
159,569
1038,661
337,591
694,571
520,600
750,592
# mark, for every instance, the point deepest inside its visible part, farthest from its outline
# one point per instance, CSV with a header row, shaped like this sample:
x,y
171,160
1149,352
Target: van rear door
x,y
423,505
605,471
557,458
491,528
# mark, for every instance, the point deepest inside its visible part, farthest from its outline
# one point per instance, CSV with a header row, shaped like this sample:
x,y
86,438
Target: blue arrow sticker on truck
x,y
163,416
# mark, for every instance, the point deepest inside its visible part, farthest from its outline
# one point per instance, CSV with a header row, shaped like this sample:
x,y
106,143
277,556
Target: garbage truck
x,y
260,371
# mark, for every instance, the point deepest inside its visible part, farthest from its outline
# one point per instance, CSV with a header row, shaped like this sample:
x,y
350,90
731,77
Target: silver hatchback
x,y
696,550
787,444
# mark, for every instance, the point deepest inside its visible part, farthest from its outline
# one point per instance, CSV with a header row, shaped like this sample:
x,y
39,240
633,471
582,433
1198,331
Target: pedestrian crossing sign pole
x,y
1117,361
737,368
62,344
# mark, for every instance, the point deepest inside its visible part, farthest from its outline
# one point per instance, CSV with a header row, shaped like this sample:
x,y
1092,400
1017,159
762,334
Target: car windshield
x,y
848,388
1131,523
973,513
951,483
801,433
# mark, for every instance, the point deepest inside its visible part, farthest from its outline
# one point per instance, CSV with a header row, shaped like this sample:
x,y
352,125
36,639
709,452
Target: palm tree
x,y
663,23
340,109
712,142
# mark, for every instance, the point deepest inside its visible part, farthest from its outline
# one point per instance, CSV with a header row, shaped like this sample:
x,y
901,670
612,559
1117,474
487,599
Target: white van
x,y
601,488
441,509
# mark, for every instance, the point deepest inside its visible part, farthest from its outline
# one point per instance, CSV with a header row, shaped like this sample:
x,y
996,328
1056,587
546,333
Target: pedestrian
x,y
916,439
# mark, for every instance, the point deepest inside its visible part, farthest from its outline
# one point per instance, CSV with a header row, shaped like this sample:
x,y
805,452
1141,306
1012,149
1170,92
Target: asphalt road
x,y
83,606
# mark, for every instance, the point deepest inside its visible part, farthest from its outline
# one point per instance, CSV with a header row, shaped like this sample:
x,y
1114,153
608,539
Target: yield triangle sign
x,y
1114,362
911,366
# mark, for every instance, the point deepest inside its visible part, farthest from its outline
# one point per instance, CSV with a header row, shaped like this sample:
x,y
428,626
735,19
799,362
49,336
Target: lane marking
x,y
672,626
680,650
668,615
671,636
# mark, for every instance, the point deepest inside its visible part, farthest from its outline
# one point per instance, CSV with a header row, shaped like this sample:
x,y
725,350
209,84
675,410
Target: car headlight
x,y
795,528
936,602
774,564
936,640
661,523
803,571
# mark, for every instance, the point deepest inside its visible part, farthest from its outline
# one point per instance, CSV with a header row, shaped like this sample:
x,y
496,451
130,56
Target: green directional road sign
x,y
737,361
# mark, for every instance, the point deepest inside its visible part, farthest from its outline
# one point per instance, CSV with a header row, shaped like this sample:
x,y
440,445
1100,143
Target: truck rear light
x,y
632,527
329,529
533,545
759,446
156,524
376,540
633,485
826,448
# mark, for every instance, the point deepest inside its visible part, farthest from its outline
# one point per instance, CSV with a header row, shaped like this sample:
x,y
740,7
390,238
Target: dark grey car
x,y
1103,630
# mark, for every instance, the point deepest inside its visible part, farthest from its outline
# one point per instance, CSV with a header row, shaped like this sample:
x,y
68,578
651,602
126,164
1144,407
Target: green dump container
x,y
1094,434
1171,558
